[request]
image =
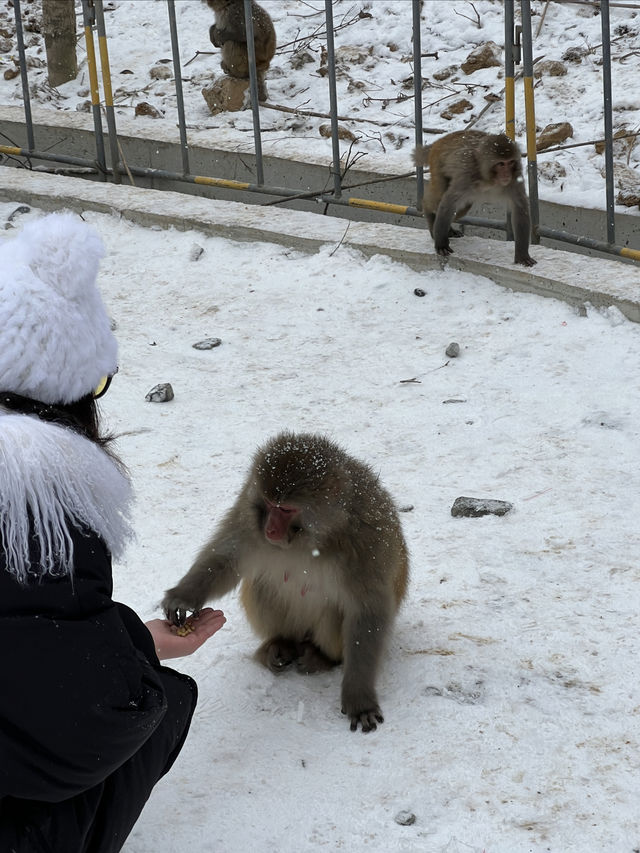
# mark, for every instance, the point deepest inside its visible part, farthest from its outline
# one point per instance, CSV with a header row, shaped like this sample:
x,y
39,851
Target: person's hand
x,y
169,644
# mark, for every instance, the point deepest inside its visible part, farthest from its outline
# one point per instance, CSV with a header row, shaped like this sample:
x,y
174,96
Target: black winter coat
x,y
82,687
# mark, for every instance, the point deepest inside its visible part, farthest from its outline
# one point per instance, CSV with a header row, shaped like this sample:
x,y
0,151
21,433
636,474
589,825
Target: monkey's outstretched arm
x,y
365,633
214,573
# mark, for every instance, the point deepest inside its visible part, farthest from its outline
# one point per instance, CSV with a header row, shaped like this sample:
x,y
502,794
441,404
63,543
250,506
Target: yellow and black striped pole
x,y
532,161
417,96
380,206
509,65
108,94
88,13
509,84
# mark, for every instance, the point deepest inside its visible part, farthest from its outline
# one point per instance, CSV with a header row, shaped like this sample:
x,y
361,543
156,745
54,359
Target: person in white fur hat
x,y
89,718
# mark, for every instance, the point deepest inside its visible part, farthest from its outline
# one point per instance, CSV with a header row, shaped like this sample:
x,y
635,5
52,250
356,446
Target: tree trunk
x,y
59,30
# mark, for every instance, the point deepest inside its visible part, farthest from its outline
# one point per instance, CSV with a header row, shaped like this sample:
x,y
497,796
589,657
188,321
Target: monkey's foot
x,y
367,719
311,659
360,704
444,251
278,653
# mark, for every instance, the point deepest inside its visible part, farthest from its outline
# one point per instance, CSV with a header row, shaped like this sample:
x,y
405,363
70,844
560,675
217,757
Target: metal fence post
x,y
23,75
417,96
608,120
177,74
532,164
108,94
88,14
253,88
509,64
509,85
333,101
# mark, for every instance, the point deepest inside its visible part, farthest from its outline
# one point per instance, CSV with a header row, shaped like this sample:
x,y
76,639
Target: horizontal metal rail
x,y
324,198
589,243
69,159
219,183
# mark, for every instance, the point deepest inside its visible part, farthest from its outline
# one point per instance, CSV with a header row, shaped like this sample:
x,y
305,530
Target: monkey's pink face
x,y
279,525
503,171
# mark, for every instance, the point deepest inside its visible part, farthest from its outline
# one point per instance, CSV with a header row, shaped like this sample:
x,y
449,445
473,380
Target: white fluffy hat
x,y
56,341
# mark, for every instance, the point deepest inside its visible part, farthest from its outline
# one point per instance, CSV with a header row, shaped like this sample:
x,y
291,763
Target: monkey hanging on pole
x,y
470,166
316,542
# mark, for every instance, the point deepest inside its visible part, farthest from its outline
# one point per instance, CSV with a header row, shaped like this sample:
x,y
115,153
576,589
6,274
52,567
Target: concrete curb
x,y
561,275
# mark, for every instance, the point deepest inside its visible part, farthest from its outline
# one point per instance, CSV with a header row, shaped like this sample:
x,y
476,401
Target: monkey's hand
x,y
362,708
219,36
177,607
526,261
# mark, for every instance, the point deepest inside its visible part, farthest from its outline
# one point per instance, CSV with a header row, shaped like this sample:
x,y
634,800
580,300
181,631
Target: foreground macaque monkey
x,y
229,33
468,166
317,543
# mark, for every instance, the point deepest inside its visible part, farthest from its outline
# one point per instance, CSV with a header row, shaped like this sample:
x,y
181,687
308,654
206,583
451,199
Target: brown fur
x,y
328,589
464,168
229,33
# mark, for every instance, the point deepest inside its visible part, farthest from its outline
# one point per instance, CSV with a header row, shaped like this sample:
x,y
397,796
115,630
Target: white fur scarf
x,y
50,475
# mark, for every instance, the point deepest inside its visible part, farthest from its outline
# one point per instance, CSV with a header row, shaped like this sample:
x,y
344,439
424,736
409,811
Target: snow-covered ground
x,y
510,688
375,69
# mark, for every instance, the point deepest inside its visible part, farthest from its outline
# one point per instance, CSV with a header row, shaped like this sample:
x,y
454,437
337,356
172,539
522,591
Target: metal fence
x,y
518,48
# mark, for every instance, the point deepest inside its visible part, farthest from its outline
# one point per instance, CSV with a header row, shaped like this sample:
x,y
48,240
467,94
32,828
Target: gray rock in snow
x,y
161,393
405,818
208,343
464,507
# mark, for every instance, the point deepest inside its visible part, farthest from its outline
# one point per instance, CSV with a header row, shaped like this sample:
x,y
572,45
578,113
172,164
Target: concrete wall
x,y
73,134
